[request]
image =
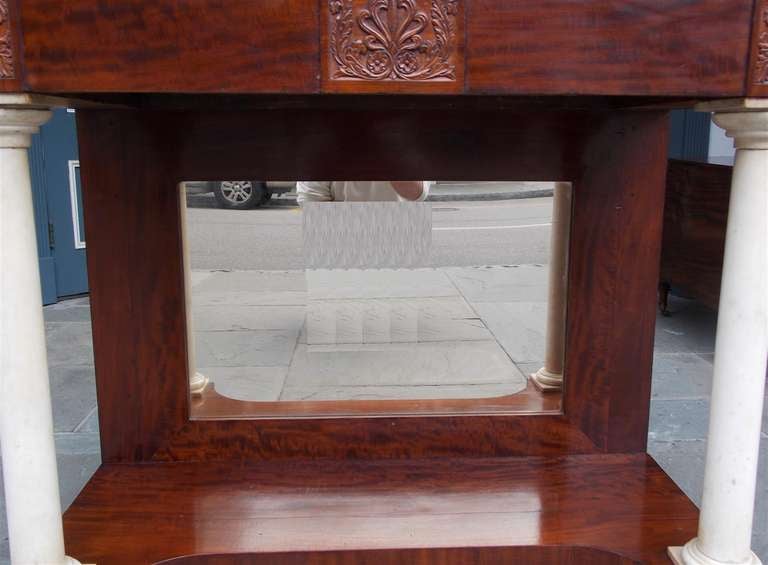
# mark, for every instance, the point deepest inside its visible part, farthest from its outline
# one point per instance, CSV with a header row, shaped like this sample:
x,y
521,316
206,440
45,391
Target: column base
x,y
546,381
690,554
197,383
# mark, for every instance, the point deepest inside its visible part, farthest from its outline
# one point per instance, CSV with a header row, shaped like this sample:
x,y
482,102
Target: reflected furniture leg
x,y
550,376
197,381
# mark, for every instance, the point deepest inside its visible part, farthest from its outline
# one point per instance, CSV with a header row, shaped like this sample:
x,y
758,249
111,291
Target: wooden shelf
x,y
145,513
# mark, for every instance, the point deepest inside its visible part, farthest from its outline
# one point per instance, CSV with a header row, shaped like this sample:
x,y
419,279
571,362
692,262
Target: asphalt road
x,y
504,232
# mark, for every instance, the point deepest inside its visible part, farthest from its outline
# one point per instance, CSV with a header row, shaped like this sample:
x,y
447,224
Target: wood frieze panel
x,y
760,65
7,66
392,45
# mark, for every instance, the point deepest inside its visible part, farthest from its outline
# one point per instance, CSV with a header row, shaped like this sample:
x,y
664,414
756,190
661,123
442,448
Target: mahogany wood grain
x,y
674,47
693,48
695,215
171,46
131,162
136,514
521,555
136,300
757,76
614,254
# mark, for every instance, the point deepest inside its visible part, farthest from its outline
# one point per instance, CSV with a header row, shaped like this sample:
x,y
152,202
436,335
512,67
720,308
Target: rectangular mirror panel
x,y
316,298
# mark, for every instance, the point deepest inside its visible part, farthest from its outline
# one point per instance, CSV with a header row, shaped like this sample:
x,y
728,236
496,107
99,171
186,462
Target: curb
x,y
203,201
485,196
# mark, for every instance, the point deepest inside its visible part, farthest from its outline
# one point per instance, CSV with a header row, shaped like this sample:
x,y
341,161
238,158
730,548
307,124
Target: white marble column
x,y
30,476
725,522
550,376
197,381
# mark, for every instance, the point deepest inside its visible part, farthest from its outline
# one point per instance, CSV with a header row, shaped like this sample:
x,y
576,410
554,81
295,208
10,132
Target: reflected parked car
x,y
240,194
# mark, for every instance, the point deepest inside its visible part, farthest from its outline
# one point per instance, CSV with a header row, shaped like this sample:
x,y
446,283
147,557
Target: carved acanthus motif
x,y
393,40
761,69
6,48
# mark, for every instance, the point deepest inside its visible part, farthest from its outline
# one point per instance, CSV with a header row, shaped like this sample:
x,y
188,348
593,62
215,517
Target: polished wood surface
x,y
613,274
170,46
137,514
521,555
757,79
694,48
131,162
608,46
695,215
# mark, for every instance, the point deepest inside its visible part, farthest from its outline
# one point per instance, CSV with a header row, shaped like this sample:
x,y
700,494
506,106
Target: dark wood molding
x,y
758,65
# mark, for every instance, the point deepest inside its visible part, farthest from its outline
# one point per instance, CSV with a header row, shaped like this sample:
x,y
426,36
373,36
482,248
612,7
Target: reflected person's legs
x,y
550,376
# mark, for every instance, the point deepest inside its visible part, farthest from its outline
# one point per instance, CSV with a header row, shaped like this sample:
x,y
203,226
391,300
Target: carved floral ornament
x,y
761,66
393,40
6,50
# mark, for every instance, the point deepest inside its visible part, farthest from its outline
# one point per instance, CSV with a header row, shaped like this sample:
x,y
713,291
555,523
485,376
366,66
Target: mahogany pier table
x,y
538,90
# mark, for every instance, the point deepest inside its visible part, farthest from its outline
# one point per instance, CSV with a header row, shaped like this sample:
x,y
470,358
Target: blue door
x,y
55,170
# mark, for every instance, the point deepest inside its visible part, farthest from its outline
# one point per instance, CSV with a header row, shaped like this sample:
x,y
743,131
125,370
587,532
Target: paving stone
x,y
683,461
73,395
90,423
4,549
518,326
239,317
74,472
74,310
678,420
760,524
256,348
329,284
682,375
441,363
247,281
406,392
258,384
511,283
388,320
69,343
197,276
689,329
73,443
249,298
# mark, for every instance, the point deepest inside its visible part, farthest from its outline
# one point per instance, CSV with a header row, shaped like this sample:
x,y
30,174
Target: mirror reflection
x,y
337,291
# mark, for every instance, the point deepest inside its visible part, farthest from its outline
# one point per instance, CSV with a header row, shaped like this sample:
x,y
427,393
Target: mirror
x,y
349,297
